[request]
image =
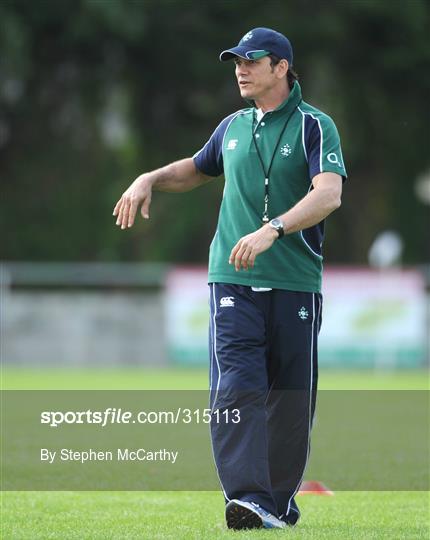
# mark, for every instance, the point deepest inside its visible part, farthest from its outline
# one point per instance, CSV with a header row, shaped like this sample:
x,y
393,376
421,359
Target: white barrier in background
x,y
83,328
113,314
374,317
370,318
82,314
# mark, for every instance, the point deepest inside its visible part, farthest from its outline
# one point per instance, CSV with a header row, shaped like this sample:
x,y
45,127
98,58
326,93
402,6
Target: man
x,y
283,170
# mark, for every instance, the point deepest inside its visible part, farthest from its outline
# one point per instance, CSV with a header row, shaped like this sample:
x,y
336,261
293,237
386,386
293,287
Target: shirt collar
x,y
293,99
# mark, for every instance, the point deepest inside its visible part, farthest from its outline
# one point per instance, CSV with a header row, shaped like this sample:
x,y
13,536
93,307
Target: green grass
x,y
195,379
199,515
189,515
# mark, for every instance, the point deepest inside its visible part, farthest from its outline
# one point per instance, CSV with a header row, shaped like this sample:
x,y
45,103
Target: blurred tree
x,y
94,92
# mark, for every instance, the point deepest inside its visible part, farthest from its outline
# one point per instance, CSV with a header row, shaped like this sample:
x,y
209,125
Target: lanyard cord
x,y
265,217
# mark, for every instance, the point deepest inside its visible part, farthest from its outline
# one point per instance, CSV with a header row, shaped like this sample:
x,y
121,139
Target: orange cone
x,y
313,487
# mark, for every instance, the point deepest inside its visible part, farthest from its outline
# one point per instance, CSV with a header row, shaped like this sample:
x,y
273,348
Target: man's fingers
x,y
145,207
120,212
251,259
240,254
246,250
126,208
238,261
125,212
117,207
245,257
131,213
233,253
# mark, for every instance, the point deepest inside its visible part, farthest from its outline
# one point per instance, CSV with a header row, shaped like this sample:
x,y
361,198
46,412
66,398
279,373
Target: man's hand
x,y
140,192
175,177
249,246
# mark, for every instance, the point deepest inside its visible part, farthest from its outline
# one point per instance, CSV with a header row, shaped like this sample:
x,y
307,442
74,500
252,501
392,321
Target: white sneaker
x,y
249,515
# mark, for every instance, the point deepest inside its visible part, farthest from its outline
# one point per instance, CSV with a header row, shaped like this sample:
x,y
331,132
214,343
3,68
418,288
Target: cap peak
x,y
259,40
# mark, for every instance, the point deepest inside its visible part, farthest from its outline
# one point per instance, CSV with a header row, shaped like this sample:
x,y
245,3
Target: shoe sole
x,y
238,517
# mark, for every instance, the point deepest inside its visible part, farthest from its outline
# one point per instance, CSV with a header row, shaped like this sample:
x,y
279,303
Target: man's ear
x,y
282,68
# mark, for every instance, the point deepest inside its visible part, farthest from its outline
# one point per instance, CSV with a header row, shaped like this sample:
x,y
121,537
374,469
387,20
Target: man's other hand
x,y
246,250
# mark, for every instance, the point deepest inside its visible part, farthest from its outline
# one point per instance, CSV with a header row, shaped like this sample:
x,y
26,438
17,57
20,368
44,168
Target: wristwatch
x,y
278,226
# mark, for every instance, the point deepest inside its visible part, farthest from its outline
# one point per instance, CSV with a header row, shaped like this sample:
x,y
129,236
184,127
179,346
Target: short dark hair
x,y
292,76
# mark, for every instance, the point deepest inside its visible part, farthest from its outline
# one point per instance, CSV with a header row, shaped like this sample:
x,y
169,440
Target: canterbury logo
x,y
232,143
226,301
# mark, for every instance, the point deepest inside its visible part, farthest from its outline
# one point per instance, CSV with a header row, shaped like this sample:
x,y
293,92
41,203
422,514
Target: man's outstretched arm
x,y
179,176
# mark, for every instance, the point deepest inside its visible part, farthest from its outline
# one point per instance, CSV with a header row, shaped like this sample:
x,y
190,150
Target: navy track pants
x,y
263,362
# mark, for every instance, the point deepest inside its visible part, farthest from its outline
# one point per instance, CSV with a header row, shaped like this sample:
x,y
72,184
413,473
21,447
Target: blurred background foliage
x,y
94,92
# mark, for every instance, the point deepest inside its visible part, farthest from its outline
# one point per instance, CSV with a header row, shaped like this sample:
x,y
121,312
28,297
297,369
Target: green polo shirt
x,y
299,142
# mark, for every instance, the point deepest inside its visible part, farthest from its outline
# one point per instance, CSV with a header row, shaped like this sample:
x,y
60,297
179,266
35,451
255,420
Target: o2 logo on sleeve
x,y
334,158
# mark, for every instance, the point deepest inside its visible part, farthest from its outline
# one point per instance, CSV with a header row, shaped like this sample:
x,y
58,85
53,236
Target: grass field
x,y
199,515
181,515
192,379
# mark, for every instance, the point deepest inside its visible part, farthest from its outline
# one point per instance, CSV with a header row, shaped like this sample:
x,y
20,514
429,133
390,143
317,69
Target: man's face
x,y
255,77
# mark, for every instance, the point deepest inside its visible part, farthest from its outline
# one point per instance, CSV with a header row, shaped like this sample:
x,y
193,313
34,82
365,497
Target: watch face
x,y
278,226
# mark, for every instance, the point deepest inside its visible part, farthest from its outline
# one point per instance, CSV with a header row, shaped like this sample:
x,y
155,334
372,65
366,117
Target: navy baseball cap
x,y
258,43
